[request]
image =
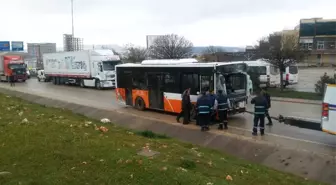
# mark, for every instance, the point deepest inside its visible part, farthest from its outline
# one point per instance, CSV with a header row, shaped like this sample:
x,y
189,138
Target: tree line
x,y
278,48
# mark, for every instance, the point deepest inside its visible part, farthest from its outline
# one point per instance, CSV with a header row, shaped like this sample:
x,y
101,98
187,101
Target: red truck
x,y
12,64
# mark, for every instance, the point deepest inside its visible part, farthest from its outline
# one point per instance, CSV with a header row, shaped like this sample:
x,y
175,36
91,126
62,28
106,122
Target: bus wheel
x,y
139,103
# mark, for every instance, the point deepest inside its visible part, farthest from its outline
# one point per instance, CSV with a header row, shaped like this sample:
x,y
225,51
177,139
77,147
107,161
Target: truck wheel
x,y
97,84
81,83
139,103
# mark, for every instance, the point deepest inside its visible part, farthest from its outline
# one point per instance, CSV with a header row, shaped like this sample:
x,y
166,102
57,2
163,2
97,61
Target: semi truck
x,y
86,68
12,64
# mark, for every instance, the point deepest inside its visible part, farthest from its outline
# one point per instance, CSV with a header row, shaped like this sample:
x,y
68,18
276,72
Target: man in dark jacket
x,y
268,99
204,111
186,107
260,106
222,107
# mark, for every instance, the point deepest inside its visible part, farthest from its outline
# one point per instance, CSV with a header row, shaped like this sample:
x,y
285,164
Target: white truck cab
x,y
328,123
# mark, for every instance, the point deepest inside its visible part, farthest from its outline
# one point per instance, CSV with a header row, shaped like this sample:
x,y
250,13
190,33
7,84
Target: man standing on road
x,y
204,111
186,107
260,106
268,99
11,79
223,106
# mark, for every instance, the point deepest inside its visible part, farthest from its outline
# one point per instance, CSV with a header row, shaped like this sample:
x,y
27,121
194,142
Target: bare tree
x,y
213,50
280,50
134,54
170,47
211,53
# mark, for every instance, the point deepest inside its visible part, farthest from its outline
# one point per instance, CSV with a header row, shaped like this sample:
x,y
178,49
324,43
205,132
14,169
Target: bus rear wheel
x,y
139,104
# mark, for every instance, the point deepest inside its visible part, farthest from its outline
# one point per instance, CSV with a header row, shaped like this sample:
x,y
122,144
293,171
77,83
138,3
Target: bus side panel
x,y
120,94
172,102
142,94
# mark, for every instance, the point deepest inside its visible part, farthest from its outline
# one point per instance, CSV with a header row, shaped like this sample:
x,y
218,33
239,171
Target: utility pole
x,y
72,19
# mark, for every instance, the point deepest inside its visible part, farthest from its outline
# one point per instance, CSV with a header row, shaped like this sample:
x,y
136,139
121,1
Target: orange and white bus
x,y
159,84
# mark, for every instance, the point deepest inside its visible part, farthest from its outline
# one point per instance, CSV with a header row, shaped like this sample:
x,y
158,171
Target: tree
x,y
280,50
170,47
134,54
321,84
211,52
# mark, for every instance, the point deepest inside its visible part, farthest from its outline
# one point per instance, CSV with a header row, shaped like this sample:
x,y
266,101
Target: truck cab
x,y
329,110
105,70
13,65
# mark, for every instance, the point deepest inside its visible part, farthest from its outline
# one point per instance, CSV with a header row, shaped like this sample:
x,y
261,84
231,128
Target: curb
x,y
301,101
295,100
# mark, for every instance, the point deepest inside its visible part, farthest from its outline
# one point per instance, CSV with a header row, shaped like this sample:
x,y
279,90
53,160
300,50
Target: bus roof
x,y
199,64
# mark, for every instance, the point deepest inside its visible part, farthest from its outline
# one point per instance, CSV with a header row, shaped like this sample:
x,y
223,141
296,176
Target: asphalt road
x,y
240,124
308,78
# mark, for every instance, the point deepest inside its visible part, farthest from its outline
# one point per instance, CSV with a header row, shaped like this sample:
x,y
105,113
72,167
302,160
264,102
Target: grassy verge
x,y
286,93
44,146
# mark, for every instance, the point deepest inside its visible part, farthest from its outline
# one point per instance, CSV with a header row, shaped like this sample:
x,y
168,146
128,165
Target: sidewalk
x,y
293,100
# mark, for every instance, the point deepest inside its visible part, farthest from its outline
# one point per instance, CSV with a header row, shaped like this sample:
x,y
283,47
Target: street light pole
x,y
72,19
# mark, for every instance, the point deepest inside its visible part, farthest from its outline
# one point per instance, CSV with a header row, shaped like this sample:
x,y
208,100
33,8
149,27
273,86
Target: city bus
x,y
159,84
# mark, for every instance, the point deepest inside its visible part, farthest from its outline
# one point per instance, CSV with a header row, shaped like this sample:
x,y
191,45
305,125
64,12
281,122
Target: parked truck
x,y
87,68
12,64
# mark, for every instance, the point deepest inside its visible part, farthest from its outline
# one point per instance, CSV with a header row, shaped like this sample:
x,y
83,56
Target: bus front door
x,y
155,93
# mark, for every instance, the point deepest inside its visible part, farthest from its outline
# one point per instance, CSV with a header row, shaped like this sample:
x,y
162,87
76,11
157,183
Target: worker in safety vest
x,y
260,106
222,108
203,106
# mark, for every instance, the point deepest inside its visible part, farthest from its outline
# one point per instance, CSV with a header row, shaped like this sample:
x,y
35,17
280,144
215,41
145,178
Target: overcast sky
x,y
204,22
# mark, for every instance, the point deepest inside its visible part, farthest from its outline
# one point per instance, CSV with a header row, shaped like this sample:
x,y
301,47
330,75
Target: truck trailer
x,y
86,68
12,64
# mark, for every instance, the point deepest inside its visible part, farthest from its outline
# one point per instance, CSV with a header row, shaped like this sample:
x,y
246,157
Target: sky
x,y
204,22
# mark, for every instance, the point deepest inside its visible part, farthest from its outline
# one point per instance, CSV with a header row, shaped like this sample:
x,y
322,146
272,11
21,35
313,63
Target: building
x,y
317,36
36,51
71,43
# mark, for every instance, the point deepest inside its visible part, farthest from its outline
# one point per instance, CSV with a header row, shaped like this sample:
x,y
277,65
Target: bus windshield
x,y
110,65
232,68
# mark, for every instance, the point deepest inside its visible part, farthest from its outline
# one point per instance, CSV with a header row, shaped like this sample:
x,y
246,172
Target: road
x,y
241,124
309,76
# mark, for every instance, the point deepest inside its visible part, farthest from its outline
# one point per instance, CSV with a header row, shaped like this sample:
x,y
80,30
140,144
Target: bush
x,y
320,85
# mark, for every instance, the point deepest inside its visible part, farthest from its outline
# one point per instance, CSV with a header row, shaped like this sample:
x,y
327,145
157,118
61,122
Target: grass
x,y
41,146
287,93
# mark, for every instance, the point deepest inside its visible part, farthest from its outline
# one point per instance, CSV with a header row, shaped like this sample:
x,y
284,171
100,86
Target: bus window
x,y
139,83
171,84
190,81
207,83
